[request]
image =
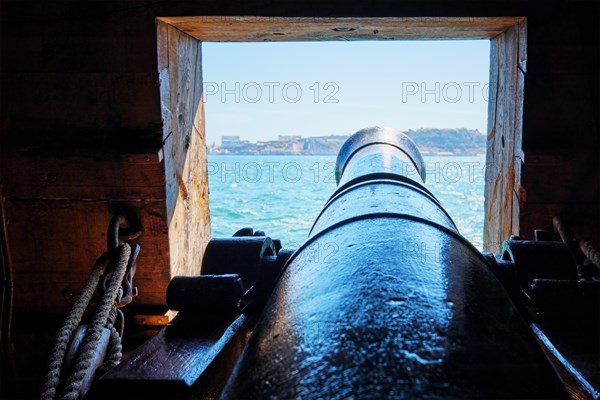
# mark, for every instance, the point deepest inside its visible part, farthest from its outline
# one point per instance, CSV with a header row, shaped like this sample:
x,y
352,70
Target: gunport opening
x,y
302,71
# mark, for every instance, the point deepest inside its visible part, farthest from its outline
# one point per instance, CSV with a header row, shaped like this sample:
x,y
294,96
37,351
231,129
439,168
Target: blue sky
x,y
261,90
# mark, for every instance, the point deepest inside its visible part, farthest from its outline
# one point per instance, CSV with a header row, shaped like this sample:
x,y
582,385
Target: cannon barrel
x,y
386,299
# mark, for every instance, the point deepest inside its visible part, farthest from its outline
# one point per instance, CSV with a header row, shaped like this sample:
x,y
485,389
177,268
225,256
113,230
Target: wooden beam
x,y
58,206
89,175
567,177
190,358
504,142
188,216
178,37
55,243
285,29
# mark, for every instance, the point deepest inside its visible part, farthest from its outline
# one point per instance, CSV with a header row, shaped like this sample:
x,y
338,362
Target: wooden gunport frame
x,y
180,68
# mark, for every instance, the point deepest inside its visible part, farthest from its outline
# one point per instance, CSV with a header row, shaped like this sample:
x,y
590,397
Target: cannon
x,y
404,308
399,306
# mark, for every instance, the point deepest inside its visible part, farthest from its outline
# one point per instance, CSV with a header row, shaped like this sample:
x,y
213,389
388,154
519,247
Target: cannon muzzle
x,y
386,299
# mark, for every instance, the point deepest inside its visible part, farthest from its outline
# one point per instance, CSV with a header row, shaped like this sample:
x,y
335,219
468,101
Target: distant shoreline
x,y
430,141
335,154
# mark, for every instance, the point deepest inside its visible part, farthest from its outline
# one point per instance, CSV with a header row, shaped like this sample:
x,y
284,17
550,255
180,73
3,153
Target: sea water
x,y
283,195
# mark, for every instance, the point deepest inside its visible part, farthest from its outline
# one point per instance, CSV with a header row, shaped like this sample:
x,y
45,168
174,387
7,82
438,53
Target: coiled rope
x,y
93,333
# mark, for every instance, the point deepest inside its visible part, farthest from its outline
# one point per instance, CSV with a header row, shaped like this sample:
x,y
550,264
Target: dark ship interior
x,y
106,221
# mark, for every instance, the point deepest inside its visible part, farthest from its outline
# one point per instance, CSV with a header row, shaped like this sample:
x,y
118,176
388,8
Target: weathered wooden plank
x,y
522,29
520,89
184,149
198,173
568,177
512,137
504,154
83,109
493,172
561,100
566,119
78,53
259,29
83,176
179,362
55,243
163,76
574,353
505,131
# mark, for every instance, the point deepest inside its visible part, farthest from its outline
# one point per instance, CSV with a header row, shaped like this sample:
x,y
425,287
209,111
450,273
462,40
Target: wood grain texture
x,y
574,357
179,362
504,153
259,29
566,178
188,216
58,206
83,175
81,109
55,243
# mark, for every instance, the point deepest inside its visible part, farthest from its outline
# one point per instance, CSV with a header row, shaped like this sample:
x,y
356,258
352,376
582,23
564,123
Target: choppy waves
x,y
283,195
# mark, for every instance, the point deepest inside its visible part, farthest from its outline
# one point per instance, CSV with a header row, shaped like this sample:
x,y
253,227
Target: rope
x,y
115,350
115,347
590,253
65,334
94,332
